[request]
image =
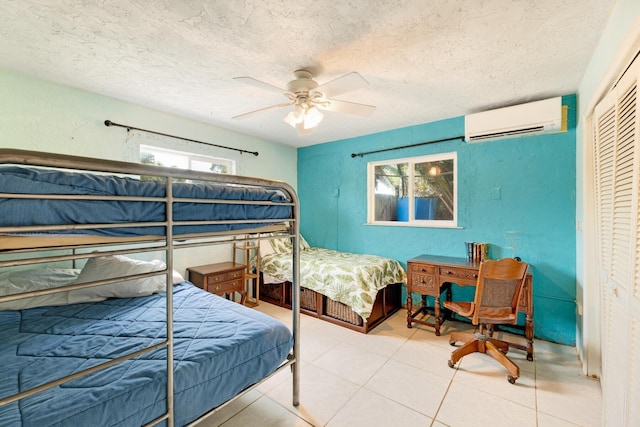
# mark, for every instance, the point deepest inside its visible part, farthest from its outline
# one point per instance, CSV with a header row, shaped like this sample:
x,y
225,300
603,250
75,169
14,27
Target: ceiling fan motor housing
x,y
302,83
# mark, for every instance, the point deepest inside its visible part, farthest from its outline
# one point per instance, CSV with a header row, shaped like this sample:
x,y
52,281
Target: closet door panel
x,y
617,187
633,369
604,155
633,390
623,195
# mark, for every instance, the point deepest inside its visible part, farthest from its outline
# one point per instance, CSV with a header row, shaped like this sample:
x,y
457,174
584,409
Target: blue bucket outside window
x,y
425,208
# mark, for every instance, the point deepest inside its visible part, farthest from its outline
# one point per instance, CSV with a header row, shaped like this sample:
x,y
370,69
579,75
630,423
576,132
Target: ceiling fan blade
x,y
346,83
260,84
262,110
347,107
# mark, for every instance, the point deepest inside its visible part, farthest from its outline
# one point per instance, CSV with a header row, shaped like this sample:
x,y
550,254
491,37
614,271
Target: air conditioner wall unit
x,y
533,118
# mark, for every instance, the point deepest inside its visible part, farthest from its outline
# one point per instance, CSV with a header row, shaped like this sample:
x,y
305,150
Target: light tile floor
x,y
399,376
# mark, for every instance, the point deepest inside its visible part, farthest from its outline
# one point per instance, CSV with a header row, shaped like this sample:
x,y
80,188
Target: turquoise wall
x,y
536,176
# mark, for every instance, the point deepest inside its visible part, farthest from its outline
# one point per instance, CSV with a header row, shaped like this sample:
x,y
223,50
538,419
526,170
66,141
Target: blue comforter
x,y
19,212
221,348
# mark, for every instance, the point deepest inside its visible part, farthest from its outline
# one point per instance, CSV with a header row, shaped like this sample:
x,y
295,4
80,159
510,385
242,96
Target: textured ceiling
x,y
424,60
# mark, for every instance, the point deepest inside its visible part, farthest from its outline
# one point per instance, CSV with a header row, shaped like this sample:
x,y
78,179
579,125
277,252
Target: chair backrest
x,y
498,291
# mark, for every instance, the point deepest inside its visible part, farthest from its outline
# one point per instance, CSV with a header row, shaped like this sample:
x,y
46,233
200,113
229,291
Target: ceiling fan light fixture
x,y
294,117
312,118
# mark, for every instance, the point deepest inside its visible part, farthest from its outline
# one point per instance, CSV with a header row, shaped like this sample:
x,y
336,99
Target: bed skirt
x,y
388,301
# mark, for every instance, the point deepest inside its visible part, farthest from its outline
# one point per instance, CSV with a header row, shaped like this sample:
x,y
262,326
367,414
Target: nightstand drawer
x,y
460,276
221,278
237,274
217,278
225,287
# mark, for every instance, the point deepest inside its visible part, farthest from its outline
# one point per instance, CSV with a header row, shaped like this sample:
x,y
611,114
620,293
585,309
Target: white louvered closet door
x,y
617,154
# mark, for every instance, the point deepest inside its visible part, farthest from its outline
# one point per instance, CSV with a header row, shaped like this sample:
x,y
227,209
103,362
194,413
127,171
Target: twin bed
x,y
357,291
89,335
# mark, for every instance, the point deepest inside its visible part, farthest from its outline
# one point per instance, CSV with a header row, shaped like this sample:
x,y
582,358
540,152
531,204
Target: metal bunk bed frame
x,y
167,243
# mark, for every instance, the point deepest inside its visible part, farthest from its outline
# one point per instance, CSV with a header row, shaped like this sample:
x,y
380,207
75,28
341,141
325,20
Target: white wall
x,y
42,116
619,42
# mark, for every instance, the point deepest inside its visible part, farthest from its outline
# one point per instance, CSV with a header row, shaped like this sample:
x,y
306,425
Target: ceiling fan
x,y
307,98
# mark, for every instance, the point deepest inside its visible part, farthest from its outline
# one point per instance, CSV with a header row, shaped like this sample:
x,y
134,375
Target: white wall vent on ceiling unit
x,y
533,118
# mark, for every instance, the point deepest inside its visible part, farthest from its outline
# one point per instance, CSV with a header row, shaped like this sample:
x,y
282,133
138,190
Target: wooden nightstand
x,y
221,278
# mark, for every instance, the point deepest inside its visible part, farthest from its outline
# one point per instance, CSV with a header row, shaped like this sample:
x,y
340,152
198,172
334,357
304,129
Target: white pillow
x,y
108,267
177,277
281,245
19,281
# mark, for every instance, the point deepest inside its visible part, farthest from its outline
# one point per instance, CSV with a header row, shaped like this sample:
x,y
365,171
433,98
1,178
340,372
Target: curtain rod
x,y
110,123
407,146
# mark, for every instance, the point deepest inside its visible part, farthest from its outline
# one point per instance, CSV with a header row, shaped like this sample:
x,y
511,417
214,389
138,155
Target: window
x,y
418,191
178,159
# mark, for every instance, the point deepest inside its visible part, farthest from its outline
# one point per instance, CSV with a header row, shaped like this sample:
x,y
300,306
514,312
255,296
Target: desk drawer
x,y
424,284
422,268
460,276
224,287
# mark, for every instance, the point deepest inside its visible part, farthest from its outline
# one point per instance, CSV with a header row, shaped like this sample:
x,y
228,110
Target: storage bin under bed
x,y
280,294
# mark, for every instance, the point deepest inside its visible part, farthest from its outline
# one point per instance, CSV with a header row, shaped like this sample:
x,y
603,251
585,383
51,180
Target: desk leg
x,y
424,309
438,310
409,310
436,307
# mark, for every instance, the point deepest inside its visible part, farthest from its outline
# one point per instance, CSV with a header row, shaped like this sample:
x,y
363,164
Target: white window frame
x,y
192,157
412,222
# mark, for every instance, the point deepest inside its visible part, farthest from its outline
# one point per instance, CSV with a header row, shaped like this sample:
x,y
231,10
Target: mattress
x,y
26,212
351,279
220,349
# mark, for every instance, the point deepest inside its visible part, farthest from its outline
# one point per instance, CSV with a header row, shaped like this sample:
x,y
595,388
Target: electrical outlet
x,y
336,192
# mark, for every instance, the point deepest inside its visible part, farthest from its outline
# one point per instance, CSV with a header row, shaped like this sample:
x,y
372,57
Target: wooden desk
x,y
221,278
430,275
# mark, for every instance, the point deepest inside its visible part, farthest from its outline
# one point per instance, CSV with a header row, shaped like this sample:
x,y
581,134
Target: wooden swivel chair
x,y
498,292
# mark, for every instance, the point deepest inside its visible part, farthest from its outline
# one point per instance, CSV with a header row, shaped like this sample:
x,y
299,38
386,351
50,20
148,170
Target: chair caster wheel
x,y
452,343
511,379
451,364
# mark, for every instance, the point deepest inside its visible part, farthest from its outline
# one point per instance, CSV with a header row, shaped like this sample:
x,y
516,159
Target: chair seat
x,y
496,315
459,307
485,314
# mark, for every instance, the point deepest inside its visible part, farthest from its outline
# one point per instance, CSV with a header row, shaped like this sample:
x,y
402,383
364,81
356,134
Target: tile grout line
x,y
360,387
444,396
535,387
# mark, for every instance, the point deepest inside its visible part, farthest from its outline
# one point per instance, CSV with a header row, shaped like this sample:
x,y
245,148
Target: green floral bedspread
x,y
352,279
